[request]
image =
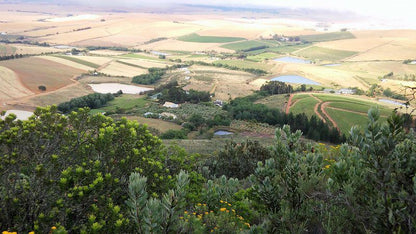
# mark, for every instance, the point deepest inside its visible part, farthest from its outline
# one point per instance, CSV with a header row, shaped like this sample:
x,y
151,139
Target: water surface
x,y
391,102
288,59
295,80
115,87
222,133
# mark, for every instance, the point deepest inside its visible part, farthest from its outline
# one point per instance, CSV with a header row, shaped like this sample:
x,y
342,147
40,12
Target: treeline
x,y
276,87
93,101
314,128
13,56
115,48
254,71
152,77
255,48
155,40
7,41
172,92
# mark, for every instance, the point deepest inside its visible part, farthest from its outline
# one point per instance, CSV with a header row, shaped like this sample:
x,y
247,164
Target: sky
x,y
399,9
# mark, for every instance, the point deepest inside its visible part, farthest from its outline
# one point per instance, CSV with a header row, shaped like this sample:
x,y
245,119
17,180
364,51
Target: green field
x,y
208,39
244,45
316,52
80,61
125,101
327,36
244,64
299,96
7,50
305,105
130,64
274,101
345,120
140,56
287,49
262,56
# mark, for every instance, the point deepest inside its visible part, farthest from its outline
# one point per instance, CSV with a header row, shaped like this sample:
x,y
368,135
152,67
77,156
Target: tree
x,y
42,87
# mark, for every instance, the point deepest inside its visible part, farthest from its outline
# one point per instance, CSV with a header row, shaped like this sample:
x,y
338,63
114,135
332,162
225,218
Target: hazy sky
x,y
401,9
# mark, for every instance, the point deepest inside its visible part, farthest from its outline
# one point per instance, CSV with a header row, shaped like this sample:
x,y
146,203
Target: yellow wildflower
x,y
327,166
206,212
247,224
53,228
32,232
223,209
221,201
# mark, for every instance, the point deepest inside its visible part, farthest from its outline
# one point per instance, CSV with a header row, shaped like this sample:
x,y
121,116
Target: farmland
x,y
320,53
345,111
333,36
208,39
36,71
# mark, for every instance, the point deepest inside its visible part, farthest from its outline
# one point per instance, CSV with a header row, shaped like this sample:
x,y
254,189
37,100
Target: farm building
x,y
171,105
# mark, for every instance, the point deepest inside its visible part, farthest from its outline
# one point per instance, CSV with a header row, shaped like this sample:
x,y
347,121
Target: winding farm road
x,y
323,106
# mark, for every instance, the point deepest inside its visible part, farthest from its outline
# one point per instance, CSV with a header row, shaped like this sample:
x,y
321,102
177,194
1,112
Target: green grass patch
x,y
287,49
140,56
305,105
244,64
299,96
125,102
345,120
332,36
7,50
275,101
80,61
130,64
208,39
262,56
244,45
316,52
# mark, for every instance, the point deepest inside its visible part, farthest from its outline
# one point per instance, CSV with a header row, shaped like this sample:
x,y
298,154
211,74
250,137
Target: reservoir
x,y
288,59
115,87
295,80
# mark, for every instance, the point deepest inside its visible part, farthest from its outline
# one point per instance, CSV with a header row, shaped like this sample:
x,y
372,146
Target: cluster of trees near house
x,y
83,173
94,100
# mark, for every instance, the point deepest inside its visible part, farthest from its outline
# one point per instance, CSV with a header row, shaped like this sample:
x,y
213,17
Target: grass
x,y
327,36
275,101
130,64
262,56
345,120
305,105
161,125
244,45
244,64
7,50
80,61
316,52
208,39
140,56
125,101
299,96
287,49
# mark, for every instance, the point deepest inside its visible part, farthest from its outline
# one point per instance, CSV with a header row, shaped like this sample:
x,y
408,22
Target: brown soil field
x,y
158,124
11,87
173,44
396,49
118,69
224,83
67,62
34,71
144,63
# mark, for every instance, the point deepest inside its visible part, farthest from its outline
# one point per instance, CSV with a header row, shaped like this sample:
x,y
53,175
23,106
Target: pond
x,y
159,53
332,65
20,114
295,80
391,102
222,133
115,87
288,59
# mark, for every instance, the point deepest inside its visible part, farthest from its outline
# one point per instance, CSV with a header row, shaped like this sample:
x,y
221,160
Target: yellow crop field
x,y
35,71
143,63
66,62
224,83
172,44
11,87
119,69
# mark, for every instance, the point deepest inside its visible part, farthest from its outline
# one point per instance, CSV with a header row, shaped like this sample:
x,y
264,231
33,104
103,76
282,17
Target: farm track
x,y
105,65
289,103
316,107
323,106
